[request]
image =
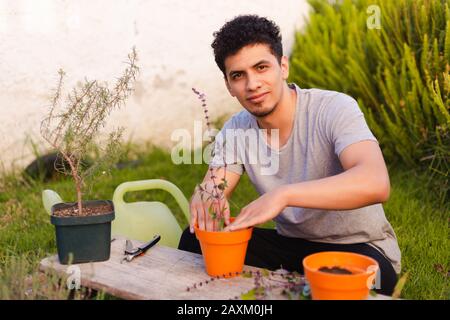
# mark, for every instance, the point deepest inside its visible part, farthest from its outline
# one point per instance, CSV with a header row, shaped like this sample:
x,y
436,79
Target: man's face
x,y
256,79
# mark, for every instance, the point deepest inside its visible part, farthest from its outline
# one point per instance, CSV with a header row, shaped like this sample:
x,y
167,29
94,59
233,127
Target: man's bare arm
x,y
365,181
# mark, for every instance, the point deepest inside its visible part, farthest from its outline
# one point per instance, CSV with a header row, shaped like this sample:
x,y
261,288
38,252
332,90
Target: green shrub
x,y
399,73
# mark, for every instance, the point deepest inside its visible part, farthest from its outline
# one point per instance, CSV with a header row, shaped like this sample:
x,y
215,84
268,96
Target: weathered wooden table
x,y
162,273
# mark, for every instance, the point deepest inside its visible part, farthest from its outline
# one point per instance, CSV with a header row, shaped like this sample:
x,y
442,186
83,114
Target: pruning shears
x,y
131,252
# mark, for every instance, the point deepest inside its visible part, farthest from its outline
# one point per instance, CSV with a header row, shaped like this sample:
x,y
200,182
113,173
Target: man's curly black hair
x,y
245,30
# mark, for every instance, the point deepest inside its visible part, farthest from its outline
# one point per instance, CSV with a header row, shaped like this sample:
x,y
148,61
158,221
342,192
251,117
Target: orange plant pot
x,y
328,286
224,252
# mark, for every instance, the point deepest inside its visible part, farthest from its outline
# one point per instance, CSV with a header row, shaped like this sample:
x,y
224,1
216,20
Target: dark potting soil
x,y
87,211
335,270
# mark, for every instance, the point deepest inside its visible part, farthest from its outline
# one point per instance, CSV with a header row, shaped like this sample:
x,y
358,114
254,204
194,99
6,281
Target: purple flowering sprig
x,y
267,284
290,285
217,193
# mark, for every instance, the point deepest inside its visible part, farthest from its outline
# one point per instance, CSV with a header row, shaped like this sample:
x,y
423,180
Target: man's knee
x,y
188,242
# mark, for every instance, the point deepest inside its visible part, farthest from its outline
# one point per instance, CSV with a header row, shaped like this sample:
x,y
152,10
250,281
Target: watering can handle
x,y
141,185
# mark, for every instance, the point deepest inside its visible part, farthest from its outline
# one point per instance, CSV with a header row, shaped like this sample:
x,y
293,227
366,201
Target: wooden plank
x,y
162,273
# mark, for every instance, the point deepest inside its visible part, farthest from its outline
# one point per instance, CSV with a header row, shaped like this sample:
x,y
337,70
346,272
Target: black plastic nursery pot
x,y
82,239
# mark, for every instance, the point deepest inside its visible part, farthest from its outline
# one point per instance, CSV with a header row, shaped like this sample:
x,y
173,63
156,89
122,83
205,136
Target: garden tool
x,y
131,253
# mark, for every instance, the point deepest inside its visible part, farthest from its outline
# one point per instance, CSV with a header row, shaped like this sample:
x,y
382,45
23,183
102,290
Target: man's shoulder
x,y
328,104
327,97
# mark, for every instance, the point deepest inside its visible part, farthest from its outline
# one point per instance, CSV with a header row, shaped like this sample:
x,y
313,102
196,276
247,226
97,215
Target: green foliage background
x,y
399,73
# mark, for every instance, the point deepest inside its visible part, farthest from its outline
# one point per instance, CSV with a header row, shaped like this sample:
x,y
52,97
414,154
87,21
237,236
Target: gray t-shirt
x,y
325,123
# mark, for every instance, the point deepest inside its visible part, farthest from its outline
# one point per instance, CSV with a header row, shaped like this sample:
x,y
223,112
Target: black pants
x,y
267,249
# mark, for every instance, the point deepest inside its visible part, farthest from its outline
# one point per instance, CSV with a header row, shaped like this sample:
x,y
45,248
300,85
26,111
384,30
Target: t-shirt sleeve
x,y
226,151
345,123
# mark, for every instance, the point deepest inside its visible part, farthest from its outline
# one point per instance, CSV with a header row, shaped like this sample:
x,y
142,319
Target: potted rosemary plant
x,y
83,228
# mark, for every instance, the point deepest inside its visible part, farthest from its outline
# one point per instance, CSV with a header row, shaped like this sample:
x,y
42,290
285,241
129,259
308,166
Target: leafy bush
x,y
399,72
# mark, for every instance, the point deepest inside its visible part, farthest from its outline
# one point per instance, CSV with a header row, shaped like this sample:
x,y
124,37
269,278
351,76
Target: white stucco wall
x,y
91,38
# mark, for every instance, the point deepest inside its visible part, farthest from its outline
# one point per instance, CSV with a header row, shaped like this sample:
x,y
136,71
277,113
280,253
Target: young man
x,y
331,180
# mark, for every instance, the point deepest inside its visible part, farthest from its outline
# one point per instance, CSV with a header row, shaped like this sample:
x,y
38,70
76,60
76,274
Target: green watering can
x,y
143,219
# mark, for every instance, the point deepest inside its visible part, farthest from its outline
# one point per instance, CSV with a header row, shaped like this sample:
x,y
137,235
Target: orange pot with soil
x,y
224,252
339,275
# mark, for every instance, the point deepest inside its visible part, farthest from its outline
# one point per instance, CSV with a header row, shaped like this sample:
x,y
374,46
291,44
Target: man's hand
x,y
263,209
199,208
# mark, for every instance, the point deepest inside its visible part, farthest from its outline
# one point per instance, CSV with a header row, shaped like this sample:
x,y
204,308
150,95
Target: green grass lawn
x,y
26,235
